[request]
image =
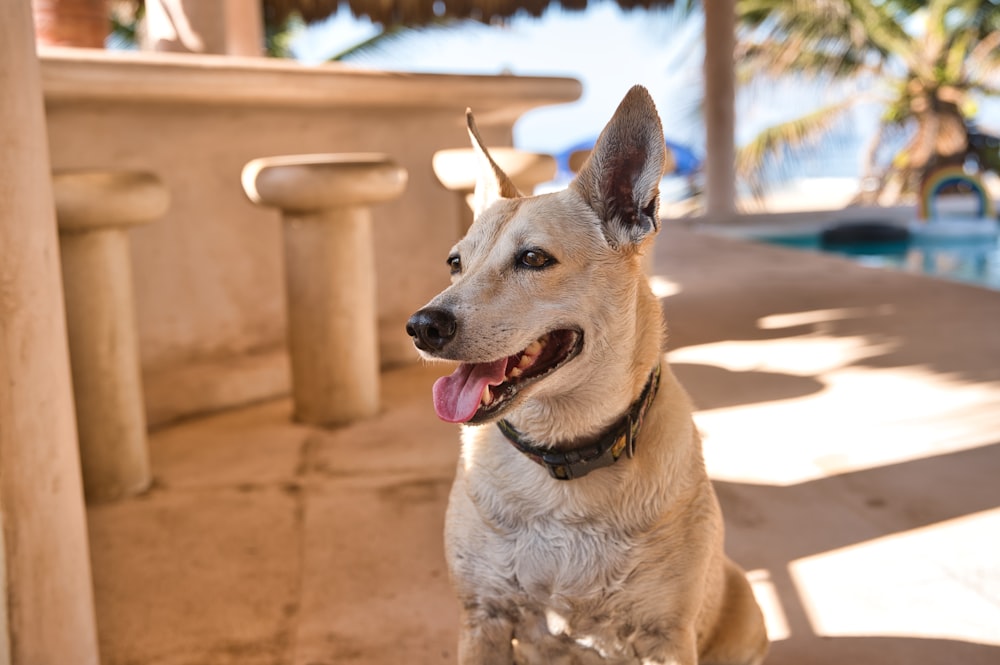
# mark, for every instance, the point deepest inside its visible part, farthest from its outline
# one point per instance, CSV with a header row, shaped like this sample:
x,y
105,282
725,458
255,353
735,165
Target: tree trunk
x,y
941,139
84,23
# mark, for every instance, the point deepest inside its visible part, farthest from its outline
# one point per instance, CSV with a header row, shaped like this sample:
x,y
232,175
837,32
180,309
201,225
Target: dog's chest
x,y
568,589
539,543
560,558
571,594
551,558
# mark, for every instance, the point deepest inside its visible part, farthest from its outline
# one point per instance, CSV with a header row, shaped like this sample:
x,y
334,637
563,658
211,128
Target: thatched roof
x,y
419,12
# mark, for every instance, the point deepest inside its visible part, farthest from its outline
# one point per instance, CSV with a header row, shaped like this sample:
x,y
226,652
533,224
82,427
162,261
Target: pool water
x,y
973,259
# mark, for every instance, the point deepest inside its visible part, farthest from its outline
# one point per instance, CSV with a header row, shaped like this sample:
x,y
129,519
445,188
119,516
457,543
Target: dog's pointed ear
x,y
491,182
621,178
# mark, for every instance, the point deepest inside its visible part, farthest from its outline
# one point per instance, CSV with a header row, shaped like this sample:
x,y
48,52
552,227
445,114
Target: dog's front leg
x,y
667,647
485,638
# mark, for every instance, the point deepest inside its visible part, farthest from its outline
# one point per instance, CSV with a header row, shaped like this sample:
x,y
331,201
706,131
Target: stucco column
x,y
47,610
233,27
720,96
95,210
329,275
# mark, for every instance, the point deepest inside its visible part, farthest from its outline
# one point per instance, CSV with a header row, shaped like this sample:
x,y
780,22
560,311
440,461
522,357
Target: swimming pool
x,y
972,258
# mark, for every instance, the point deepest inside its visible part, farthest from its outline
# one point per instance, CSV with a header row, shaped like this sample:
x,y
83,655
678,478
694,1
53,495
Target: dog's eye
x,y
455,264
534,258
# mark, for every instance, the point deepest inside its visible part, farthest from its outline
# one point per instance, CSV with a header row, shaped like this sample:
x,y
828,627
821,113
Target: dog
x,y
581,526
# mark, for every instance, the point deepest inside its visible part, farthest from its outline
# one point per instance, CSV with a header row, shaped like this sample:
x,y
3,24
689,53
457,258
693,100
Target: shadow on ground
x,y
737,290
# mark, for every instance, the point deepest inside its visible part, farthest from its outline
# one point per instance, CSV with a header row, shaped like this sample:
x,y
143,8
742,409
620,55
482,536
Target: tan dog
x,y
582,526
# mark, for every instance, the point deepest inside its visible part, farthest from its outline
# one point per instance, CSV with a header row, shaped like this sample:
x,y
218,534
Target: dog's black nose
x,y
431,328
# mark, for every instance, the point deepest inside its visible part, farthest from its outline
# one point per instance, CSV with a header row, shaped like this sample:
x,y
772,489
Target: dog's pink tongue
x,y
457,397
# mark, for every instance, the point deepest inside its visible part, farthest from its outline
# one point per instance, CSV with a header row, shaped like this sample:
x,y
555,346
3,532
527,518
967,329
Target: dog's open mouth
x,y
476,392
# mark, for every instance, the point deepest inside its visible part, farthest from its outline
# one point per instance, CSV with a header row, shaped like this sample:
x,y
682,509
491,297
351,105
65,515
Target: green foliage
x,y
125,21
770,146
278,36
931,57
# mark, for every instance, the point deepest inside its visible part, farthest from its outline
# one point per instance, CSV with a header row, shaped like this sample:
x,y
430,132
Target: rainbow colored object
x,y
945,176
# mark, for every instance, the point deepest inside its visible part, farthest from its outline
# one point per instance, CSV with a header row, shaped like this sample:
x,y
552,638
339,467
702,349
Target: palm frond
x,y
126,20
955,54
394,34
825,37
986,15
776,59
988,90
984,59
882,23
278,38
763,158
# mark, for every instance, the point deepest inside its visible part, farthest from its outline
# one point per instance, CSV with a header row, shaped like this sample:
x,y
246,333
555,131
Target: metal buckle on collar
x,y
630,437
567,466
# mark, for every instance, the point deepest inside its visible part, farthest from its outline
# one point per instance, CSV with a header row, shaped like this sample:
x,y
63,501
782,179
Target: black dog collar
x,y
578,462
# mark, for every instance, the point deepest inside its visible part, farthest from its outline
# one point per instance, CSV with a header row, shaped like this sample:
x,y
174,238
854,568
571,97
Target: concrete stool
x,y
456,170
95,209
329,275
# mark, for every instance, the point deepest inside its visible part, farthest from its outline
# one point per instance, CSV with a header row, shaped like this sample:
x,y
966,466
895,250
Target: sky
x,y
609,50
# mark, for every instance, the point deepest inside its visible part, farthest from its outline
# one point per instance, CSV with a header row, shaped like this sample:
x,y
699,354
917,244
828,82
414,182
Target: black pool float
x,y
863,232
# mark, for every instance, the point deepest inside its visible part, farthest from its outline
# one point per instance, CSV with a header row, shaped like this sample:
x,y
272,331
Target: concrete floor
x,y
852,423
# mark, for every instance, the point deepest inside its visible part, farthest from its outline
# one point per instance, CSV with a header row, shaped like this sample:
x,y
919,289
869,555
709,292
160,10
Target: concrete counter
x,y
208,275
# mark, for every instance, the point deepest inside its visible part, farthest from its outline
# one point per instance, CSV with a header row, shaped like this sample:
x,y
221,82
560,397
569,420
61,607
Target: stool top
x,y
88,199
316,182
456,168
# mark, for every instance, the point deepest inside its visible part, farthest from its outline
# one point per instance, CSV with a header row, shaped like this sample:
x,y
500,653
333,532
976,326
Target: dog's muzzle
x,y
432,328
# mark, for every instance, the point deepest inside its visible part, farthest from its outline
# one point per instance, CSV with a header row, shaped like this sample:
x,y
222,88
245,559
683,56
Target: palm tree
x,y
926,61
